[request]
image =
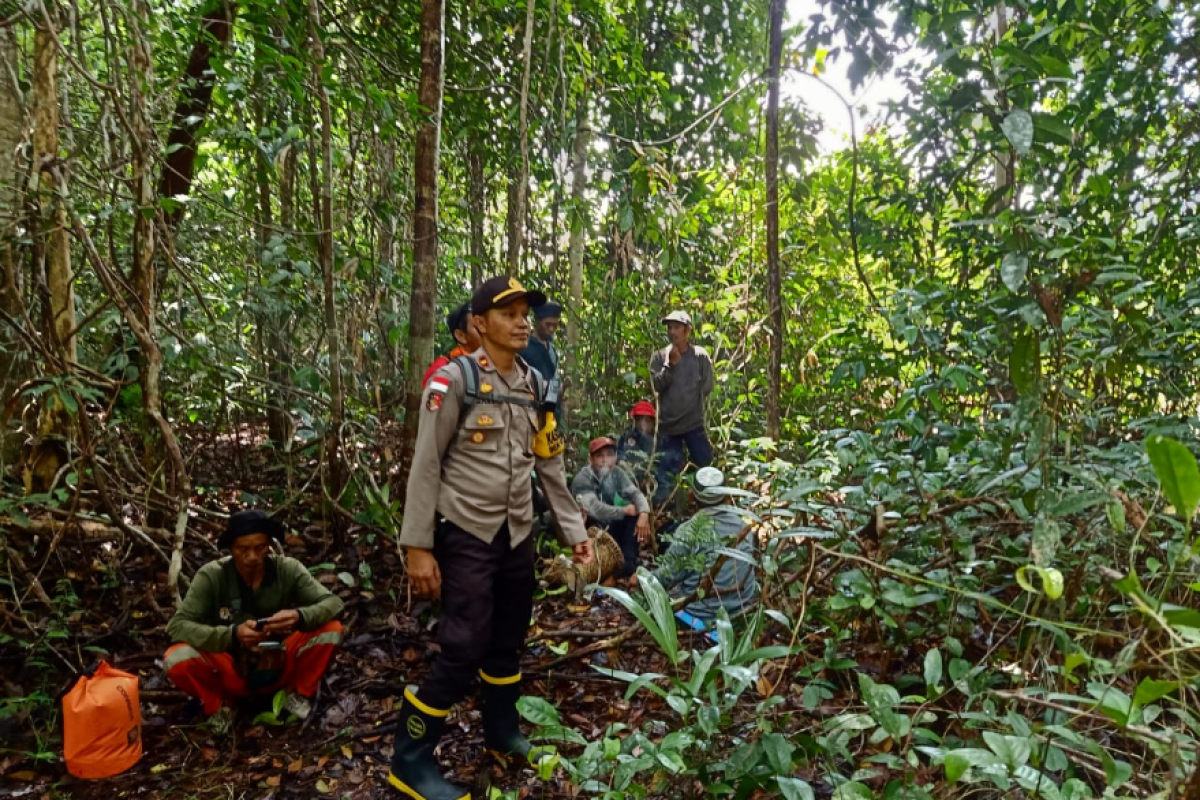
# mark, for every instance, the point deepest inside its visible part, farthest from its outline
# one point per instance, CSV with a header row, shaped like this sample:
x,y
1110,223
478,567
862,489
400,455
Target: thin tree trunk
x,y
179,165
13,120
774,287
56,253
519,184
578,221
425,214
477,208
324,207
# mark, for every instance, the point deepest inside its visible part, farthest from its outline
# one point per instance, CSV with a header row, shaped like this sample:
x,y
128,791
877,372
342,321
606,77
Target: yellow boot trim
x,y
406,789
430,710
500,681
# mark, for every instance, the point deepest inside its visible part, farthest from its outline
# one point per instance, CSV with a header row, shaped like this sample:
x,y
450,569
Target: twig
x,y
1136,730
567,633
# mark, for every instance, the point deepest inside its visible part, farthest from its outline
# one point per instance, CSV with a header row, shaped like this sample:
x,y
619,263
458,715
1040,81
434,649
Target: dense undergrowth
x,y
958,619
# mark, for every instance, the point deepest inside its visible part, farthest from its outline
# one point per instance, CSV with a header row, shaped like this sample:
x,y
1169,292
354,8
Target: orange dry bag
x,y
102,723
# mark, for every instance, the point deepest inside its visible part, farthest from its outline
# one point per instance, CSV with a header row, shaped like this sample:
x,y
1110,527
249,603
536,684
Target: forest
x,y
956,357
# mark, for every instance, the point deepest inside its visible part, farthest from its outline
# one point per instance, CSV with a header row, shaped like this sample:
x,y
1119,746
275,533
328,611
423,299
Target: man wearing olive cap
x,y
682,374
466,532
223,653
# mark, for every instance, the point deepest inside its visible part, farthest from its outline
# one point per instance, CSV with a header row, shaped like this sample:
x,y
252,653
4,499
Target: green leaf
x,y
1052,128
1052,581
1012,271
794,789
1176,469
957,762
933,667
1116,516
1024,364
853,790
1150,690
538,711
653,620
1018,127
779,752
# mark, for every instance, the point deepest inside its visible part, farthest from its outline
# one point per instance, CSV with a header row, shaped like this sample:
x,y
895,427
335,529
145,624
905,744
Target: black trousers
x,y
487,600
624,534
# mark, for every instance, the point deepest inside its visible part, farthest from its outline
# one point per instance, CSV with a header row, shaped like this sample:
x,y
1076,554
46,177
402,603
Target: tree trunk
x,y
425,215
179,165
323,202
519,184
578,221
774,283
13,369
55,249
477,208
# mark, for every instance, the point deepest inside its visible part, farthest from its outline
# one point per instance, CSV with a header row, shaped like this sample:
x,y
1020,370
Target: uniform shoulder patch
x,y
435,401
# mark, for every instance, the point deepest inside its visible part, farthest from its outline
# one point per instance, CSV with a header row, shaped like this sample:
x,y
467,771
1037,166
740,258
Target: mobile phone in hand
x,y
261,624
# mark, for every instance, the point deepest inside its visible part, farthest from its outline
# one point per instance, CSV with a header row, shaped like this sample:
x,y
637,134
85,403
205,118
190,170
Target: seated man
x,y
599,487
252,623
693,553
636,445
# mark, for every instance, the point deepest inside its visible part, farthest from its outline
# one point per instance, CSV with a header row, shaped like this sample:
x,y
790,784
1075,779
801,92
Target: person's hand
x,y
631,510
423,574
642,528
632,581
249,635
583,552
674,356
282,622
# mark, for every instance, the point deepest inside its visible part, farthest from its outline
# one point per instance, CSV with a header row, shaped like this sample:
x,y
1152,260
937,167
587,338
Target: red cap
x,y
642,409
599,443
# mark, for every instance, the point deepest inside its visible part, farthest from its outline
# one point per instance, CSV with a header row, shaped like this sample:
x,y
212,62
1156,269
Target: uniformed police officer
x,y
466,531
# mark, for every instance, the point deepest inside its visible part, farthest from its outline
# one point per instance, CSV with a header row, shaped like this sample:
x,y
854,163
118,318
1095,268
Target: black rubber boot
x,y
415,771
501,720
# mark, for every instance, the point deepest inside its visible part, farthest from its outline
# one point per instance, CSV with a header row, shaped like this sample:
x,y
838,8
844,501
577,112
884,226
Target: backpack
x,y
545,395
102,723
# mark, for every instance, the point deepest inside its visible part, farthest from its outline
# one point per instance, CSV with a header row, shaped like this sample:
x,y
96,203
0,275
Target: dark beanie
x,y
248,523
549,309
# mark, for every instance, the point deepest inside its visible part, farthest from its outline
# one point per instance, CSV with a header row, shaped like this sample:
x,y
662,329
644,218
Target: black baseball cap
x,y
456,320
500,291
248,523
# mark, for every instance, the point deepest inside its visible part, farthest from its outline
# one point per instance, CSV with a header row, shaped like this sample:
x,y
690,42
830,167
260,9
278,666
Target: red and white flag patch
x,y
438,386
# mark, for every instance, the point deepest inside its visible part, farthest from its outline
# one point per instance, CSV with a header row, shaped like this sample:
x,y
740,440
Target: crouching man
x,y
253,623
695,550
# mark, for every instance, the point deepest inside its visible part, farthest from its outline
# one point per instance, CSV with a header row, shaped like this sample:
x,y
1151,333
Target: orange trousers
x,y
214,680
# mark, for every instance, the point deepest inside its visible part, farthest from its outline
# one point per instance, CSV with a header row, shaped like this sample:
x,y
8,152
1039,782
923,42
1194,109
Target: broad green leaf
x,y
957,762
1012,271
1116,516
1150,690
1024,363
1044,541
794,789
853,790
779,752
1052,581
538,711
1052,128
933,667
1176,469
1018,127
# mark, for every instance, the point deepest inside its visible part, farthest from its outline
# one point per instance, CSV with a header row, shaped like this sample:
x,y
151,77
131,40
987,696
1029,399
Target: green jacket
x,y
219,600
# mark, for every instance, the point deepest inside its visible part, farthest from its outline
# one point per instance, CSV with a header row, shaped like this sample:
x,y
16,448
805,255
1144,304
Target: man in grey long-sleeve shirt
x,y
613,501
682,374
695,551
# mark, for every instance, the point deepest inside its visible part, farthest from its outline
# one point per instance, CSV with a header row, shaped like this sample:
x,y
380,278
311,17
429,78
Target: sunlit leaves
x,y
1018,127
